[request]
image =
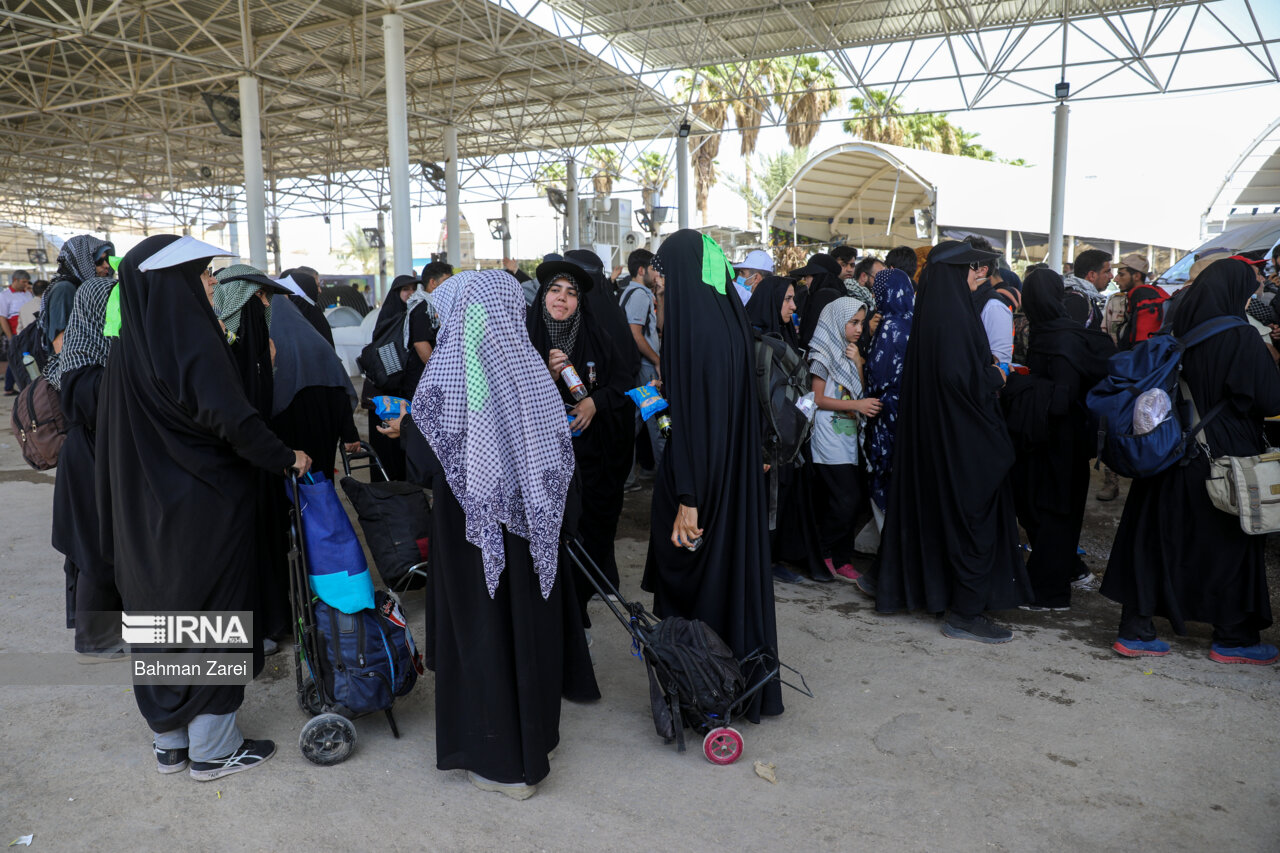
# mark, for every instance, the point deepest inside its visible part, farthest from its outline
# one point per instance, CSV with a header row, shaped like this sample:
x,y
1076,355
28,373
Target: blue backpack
x,y
1152,364
370,655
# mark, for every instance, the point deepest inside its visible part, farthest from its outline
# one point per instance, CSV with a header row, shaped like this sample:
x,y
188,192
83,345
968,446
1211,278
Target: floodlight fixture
x,y
683,132
1062,90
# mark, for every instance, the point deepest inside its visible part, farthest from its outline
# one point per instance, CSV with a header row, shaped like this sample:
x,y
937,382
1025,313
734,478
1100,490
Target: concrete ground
x,y
912,743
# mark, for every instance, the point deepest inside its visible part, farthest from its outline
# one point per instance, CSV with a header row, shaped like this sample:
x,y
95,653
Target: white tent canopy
x,y
868,194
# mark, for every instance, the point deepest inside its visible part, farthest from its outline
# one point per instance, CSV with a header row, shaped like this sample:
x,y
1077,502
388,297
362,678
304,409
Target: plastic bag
x,y
647,398
1152,408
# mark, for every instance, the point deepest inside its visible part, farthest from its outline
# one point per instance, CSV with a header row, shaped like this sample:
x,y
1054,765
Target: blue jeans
x,y
647,374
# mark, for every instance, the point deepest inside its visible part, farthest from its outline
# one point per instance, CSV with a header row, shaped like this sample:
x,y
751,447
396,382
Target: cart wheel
x,y
327,739
309,698
722,745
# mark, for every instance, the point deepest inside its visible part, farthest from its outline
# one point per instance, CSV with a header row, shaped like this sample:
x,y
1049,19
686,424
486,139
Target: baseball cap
x,y
1136,262
756,259
959,252
818,264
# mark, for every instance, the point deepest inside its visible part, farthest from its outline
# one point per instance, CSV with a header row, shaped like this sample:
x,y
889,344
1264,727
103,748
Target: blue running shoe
x,y
1140,648
784,575
1258,655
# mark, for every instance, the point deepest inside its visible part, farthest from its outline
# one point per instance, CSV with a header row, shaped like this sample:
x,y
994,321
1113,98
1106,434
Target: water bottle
x,y
573,382
29,362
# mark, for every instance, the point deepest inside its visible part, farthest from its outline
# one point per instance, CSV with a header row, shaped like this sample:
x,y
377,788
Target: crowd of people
x,y
949,413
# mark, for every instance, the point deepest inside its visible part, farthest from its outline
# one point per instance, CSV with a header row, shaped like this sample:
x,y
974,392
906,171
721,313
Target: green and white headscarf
x,y
232,291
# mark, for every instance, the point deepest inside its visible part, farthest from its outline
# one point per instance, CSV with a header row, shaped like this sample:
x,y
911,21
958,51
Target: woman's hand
x,y
874,323
869,406
556,360
391,428
686,529
272,345
582,414
854,354
301,462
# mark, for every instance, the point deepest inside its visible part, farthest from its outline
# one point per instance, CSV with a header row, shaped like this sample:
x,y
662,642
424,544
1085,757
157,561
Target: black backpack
x,y
396,520
696,679
782,378
31,339
383,359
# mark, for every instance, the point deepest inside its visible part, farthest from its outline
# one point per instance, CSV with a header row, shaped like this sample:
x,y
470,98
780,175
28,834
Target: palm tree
x,y
774,172
356,250
706,92
606,162
653,174
805,90
877,118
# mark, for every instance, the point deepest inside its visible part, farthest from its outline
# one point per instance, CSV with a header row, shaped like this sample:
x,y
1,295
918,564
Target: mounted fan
x,y
643,220
557,199
373,237
498,229
633,240
433,175
225,111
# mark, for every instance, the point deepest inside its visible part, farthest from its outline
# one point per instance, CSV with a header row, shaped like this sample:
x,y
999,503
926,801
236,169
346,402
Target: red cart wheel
x,y
722,745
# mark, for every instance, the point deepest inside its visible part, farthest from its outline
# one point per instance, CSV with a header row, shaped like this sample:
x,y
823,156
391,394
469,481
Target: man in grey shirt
x,y
641,301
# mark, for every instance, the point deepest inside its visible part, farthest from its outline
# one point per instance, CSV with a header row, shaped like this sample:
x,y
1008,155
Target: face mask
x,y
740,281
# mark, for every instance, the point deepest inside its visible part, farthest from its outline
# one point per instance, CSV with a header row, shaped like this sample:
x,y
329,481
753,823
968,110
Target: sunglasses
x,y
976,265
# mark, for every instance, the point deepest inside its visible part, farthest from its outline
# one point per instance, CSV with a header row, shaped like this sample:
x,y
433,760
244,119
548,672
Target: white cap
x,y
293,287
756,259
181,251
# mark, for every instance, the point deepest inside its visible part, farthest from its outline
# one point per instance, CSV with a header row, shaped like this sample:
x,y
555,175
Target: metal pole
x,y
382,255
1008,247
275,239
1059,193
682,179
233,228
255,197
452,213
1115,250
795,219
571,197
506,231
397,144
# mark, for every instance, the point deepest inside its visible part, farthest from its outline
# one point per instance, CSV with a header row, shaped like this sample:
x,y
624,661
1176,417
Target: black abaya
x,y
950,538
314,422
602,452
793,534
1175,555
713,463
502,663
1051,474
91,587
178,444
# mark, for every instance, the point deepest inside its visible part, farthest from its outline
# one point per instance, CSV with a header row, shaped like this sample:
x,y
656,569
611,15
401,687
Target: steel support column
x,y
571,197
452,212
255,195
506,230
1058,197
682,180
397,144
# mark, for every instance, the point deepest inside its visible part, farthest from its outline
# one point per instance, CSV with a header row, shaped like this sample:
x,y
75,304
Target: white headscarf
x,y
828,344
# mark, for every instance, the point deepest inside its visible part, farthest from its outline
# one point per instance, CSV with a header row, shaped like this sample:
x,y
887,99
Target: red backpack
x,y
1144,316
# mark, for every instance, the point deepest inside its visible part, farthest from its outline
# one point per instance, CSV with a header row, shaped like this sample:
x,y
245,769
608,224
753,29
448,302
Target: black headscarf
x,y
1054,332
393,307
713,460
1222,290
606,310
950,536
764,309
312,311
825,288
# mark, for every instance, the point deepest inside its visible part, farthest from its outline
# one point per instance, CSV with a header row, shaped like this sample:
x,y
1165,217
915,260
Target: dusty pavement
x,y
913,742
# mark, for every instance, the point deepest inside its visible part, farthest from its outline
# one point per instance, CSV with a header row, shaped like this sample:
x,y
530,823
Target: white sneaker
x,y
1087,582
514,790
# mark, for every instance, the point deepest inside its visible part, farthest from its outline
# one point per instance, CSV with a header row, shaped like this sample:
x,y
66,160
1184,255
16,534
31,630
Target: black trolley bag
x,y
694,678
396,520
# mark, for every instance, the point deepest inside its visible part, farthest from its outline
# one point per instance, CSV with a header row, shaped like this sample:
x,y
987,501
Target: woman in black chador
x,y
1175,554
496,601
1050,427
950,538
709,533
564,330
793,533
242,300
178,446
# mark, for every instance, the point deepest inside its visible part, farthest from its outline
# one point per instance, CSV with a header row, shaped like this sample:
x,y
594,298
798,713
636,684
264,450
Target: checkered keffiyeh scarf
x,y
77,255
494,418
83,343
230,295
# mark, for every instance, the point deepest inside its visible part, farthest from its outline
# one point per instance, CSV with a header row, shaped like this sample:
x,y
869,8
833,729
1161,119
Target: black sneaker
x,y
980,630
250,754
170,760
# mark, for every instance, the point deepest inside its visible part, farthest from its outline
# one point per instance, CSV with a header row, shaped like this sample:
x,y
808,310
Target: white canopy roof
x,y
854,190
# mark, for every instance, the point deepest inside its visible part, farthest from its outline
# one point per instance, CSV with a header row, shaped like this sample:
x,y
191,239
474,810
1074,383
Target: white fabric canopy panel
x,y
848,193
